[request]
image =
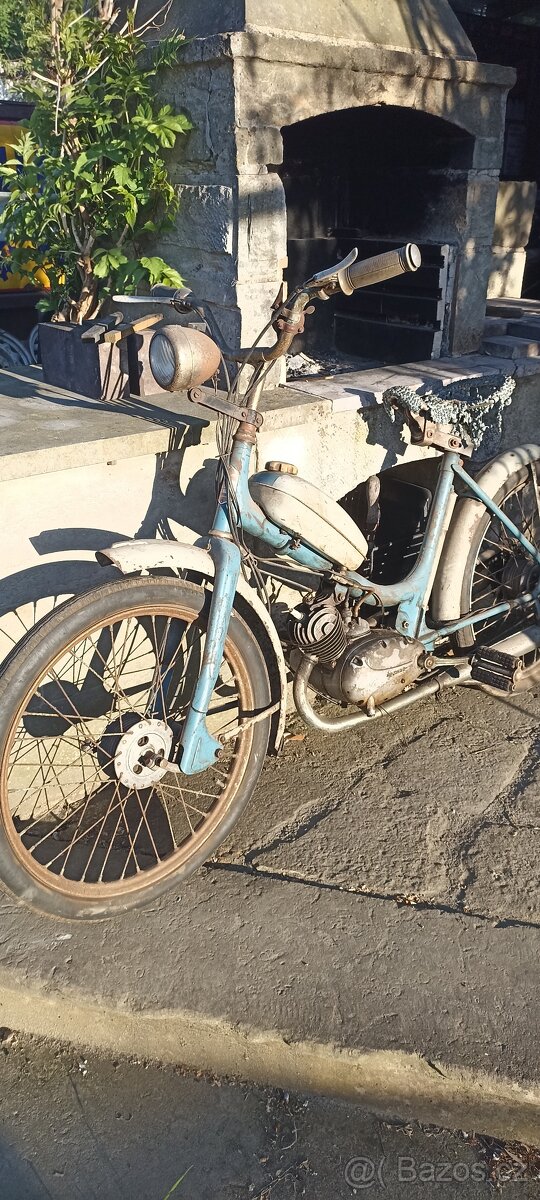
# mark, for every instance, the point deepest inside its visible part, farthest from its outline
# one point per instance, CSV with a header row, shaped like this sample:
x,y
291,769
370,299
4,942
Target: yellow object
x,y
11,281
9,136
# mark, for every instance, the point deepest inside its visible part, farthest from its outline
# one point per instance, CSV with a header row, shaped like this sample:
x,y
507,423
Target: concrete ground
x,y
371,929
78,1126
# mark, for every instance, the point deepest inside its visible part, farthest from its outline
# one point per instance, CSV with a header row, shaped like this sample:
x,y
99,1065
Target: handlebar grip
x,y
380,267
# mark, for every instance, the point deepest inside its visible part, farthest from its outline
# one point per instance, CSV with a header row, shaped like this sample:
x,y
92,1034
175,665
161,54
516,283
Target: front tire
x,y
91,702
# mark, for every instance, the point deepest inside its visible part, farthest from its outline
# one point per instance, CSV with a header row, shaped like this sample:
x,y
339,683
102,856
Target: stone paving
x,y
439,805
370,930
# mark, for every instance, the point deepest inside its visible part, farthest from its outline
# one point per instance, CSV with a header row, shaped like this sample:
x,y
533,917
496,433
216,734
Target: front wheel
x,y
92,819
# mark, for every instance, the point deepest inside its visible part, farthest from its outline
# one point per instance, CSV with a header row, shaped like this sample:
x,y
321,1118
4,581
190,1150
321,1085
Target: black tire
x,y
23,707
476,591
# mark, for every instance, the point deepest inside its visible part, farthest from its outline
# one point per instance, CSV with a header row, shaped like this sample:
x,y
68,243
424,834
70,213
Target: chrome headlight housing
x,y
181,357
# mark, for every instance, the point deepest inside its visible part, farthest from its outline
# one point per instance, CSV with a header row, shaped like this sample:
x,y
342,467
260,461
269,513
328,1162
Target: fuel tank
x,y
301,509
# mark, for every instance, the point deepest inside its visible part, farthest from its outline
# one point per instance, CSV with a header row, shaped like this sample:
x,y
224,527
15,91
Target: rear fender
x,y
137,557
446,596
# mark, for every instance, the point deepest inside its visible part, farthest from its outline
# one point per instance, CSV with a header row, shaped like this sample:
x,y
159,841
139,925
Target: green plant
x,y
176,1185
13,30
89,184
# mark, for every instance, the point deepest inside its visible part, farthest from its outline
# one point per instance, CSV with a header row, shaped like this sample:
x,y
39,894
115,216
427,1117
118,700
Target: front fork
x,y
199,748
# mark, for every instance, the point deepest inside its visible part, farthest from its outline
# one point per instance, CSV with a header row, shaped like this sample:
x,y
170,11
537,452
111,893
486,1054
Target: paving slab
x,y
370,931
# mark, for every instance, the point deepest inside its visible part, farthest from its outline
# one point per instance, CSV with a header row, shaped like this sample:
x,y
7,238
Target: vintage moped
x,y
135,719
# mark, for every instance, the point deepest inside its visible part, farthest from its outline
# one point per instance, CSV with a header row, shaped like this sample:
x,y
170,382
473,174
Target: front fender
x,y
134,557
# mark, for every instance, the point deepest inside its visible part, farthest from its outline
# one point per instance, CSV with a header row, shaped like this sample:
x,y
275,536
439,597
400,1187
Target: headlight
x,y
162,361
181,357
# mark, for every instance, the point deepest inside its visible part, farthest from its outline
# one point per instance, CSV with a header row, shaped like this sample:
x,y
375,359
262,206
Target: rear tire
x,y
78,837
496,567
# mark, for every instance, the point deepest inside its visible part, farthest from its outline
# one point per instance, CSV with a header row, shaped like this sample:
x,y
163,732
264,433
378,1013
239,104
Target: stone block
x,y
474,264
512,347
256,149
481,201
255,301
527,327
206,217
514,213
262,227
507,271
488,152
205,92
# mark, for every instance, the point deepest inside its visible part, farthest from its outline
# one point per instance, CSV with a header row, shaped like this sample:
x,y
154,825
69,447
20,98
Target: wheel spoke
x,y
501,564
71,819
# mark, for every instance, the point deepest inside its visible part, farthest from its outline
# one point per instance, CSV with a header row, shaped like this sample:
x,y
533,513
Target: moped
x,y
135,719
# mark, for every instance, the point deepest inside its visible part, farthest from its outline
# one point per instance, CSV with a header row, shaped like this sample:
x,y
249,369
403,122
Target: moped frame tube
x,y
494,508
410,595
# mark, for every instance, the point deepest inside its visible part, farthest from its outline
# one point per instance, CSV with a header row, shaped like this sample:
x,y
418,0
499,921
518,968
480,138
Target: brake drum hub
x,y
140,752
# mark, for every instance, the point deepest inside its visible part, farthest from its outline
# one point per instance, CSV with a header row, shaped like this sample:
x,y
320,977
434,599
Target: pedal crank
x,y
498,670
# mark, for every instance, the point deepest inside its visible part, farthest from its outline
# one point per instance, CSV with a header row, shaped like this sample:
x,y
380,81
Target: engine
x,y
356,662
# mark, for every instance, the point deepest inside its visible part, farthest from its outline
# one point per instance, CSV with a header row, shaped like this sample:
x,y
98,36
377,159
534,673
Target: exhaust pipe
x,y
458,672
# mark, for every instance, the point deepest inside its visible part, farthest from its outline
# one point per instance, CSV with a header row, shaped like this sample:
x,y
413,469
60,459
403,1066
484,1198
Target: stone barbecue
x,y
324,124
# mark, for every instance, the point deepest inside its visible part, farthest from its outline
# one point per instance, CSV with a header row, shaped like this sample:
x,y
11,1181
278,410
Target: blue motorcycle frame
x,y
411,595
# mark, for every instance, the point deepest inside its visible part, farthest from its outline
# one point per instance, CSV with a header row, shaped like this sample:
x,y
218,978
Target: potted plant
x,y
89,183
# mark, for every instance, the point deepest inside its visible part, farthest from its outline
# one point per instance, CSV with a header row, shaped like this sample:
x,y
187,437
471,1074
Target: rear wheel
x,y
93,819
497,568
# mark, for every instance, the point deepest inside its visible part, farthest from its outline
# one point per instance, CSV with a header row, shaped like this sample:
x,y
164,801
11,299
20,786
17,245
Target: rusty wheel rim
x,y
502,568
141,836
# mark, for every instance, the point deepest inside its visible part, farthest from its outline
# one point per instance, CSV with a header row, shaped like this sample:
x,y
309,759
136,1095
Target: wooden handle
x,y
121,331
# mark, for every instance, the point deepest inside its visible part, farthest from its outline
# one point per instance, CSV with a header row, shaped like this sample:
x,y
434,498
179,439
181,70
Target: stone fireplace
x,y
327,123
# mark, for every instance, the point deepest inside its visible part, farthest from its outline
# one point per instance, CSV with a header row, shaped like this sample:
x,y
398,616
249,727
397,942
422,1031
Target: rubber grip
x,y
382,266
160,290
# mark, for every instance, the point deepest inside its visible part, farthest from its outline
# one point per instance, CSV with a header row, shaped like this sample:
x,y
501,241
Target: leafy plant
x,y
14,21
89,184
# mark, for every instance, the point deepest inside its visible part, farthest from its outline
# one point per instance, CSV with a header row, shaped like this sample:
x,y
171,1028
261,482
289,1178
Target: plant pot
x,y
98,371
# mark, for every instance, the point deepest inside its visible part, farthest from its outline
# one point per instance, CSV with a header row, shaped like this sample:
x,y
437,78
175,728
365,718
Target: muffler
x,y
460,671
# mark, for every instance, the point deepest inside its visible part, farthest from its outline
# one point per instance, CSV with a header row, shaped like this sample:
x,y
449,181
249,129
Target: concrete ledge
x,y
335,53
77,475
359,390
45,429
422,1015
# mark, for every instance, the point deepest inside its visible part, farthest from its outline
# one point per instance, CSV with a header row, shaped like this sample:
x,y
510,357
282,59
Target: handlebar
x,y
159,294
346,276
160,291
380,267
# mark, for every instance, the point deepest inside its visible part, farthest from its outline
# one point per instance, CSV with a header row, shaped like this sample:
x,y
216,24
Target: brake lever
x,y
178,298
329,279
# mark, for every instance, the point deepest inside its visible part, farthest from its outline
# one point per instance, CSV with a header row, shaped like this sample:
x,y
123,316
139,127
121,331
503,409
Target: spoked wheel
x,y
94,820
497,568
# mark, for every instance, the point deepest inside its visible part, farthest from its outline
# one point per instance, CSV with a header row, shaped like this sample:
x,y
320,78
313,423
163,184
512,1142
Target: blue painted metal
x,y
493,508
199,748
409,595
432,636
257,525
